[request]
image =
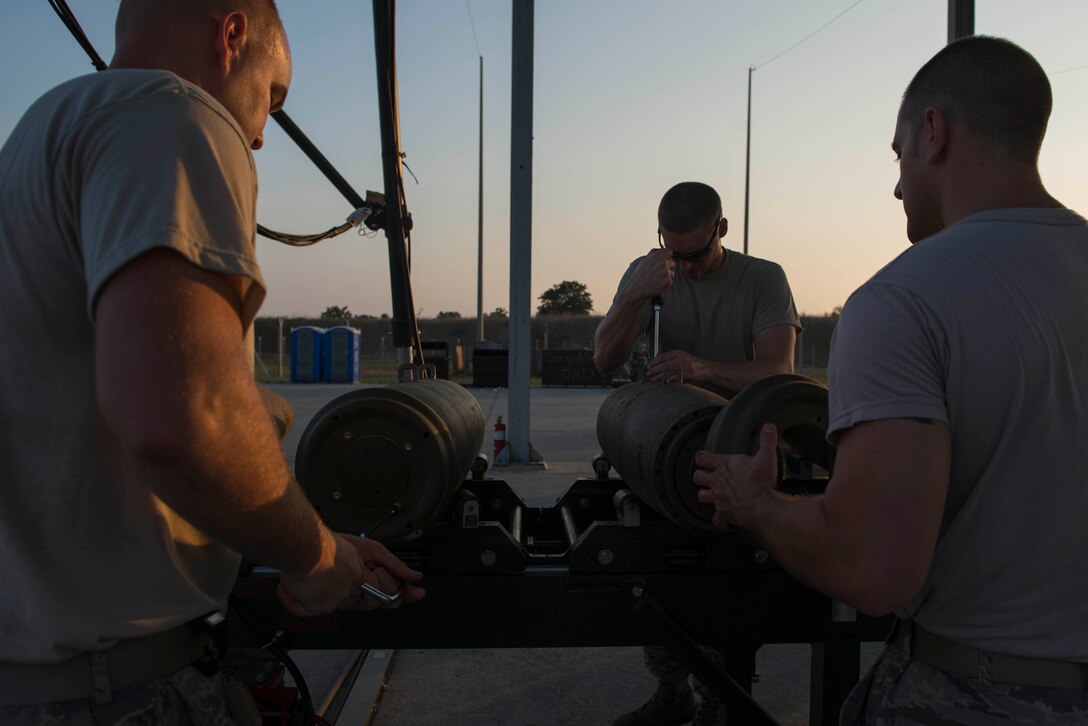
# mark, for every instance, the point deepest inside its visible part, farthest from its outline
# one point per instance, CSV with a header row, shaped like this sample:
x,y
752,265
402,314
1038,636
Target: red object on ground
x,y
499,439
275,699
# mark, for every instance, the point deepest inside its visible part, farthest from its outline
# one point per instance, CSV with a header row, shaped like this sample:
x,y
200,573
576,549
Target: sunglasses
x,y
696,254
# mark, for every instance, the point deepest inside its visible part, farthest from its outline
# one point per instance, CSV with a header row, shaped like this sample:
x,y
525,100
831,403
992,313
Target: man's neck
x,y
717,261
1003,185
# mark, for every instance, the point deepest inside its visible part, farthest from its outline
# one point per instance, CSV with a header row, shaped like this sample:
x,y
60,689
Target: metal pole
x,y
748,159
314,154
279,373
656,304
480,237
521,230
404,327
961,19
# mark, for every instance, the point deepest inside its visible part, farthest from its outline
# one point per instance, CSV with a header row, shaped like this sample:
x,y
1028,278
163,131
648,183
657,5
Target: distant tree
x,y
385,316
336,312
567,298
448,315
498,313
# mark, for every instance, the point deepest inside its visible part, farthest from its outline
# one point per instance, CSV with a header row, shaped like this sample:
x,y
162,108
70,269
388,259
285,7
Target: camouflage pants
x,y
186,698
669,671
902,691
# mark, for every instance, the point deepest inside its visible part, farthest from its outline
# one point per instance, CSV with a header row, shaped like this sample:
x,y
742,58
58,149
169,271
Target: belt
x,y
98,674
948,655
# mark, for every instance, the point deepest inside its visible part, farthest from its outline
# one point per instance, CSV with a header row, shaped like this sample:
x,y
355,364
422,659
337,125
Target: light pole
x,y
480,240
748,159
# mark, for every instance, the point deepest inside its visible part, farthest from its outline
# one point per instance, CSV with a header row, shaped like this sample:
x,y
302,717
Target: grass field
x,y
383,371
372,370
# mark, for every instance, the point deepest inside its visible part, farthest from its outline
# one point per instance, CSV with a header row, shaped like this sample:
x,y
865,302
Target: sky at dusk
x,y
631,97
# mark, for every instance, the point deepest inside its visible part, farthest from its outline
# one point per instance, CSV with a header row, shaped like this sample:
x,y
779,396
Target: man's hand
x,y
739,487
385,571
334,582
691,367
653,276
621,327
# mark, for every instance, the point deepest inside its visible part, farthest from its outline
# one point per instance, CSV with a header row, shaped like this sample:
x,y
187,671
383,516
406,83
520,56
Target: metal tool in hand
x,y
656,302
670,372
394,510
383,597
375,592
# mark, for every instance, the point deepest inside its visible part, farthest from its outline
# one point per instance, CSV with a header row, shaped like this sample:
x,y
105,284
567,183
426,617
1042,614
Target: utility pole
x,y
480,238
279,340
961,19
748,159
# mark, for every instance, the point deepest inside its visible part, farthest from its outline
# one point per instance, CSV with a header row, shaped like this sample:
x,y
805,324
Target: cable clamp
x,y
359,216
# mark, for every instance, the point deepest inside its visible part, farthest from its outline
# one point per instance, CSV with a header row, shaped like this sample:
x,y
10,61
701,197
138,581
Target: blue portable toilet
x,y
342,354
307,343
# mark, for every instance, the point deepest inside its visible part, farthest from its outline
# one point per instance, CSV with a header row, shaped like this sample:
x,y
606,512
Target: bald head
x,y
236,50
137,18
173,34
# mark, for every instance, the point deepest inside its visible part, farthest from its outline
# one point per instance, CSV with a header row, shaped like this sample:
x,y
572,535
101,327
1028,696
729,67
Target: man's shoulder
x,y
113,95
754,272
95,90
753,265
630,270
920,274
1035,245
986,230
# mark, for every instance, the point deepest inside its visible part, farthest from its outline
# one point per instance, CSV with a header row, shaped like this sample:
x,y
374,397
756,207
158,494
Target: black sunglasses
x,y
697,253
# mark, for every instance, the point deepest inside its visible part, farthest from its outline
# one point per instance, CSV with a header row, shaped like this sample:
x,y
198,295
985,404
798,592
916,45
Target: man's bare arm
x,y
869,540
617,333
773,353
173,380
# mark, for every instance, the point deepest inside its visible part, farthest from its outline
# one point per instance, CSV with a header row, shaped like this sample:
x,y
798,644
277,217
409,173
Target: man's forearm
x,y
869,540
173,383
803,537
735,376
616,335
227,476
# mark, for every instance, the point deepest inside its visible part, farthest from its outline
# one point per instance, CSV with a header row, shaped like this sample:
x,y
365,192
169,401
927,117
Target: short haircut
x,y
132,14
993,87
687,207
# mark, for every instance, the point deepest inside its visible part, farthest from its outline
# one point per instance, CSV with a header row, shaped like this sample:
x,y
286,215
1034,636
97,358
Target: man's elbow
x,y
601,363
885,592
159,431
774,366
150,440
783,366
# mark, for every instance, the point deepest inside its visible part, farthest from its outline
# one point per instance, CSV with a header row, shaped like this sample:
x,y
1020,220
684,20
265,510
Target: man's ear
x,y
933,136
723,227
231,33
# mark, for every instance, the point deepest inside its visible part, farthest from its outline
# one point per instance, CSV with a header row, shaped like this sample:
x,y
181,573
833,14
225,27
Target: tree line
x,y
569,297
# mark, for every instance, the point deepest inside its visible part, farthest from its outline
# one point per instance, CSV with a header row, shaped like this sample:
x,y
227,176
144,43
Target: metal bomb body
x,y
409,444
650,433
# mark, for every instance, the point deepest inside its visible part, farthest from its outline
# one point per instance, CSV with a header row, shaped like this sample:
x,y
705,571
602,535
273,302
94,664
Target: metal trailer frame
x,y
577,575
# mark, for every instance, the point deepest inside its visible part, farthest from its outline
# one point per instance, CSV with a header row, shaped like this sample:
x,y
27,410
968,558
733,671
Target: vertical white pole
x,y
521,230
480,236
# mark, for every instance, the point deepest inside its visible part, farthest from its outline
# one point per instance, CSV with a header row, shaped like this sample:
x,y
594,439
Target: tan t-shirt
x,y
982,327
718,316
98,171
